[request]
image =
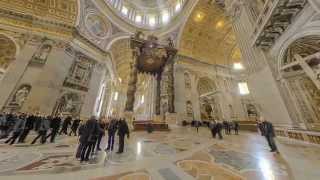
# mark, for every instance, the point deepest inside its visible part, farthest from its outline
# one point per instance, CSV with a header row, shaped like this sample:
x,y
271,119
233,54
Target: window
x,y
124,10
165,17
237,66
116,96
152,20
243,88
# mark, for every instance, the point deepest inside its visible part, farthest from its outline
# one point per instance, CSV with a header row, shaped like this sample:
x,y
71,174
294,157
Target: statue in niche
x,y
251,110
21,95
187,81
40,57
69,104
189,109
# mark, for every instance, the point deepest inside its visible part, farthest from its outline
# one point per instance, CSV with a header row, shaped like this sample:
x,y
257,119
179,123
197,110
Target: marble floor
x,y
182,154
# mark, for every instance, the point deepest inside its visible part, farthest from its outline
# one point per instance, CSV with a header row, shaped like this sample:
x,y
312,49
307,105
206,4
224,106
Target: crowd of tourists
x,y
92,132
217,127
16,127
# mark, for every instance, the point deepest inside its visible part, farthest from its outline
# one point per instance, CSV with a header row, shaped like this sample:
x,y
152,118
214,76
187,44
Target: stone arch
x,y
289,40
8,53
303,95
304,46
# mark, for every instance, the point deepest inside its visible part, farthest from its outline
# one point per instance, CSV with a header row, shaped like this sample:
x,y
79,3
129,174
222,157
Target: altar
x,y
156,60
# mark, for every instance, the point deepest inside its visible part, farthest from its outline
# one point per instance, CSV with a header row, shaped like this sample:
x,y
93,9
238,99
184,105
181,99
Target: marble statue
x,y
20,96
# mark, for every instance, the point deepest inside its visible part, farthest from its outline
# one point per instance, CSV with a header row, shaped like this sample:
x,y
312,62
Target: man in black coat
x,y
236,127
17,130
65,125
88,138
123,130
30,120
270,134
55,126
218,128
112,129
102,126
74,127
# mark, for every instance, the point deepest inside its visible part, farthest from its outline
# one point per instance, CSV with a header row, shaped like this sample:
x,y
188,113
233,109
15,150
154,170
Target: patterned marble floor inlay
x,y
181,154
168,174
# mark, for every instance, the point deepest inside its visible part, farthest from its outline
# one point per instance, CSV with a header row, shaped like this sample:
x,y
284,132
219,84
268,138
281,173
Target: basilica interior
x,y
165,64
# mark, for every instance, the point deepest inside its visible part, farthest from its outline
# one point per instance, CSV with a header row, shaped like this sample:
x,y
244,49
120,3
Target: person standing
x,y
212,126
55,126
44,126
260,127
3,122
74,127
226,127
102,127
236,127
30,120
218,128
65,125
112,129
197,125
270,135
81,145
123,130
17,130
88,138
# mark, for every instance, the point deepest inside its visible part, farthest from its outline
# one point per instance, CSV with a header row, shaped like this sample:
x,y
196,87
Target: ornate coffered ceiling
x,y
64,11
208,36
147,14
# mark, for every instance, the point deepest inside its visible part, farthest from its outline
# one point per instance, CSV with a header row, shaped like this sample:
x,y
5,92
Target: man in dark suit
x,y
123,130
270,134
112,129
55,126
88,138
28,127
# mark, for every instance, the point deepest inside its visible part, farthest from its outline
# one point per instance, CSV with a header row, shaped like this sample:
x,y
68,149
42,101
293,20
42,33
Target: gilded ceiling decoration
x,y
64,11
7,52
97,26
208,36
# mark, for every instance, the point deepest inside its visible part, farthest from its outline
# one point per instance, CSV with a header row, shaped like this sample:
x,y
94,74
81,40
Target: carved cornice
x,y
32,23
